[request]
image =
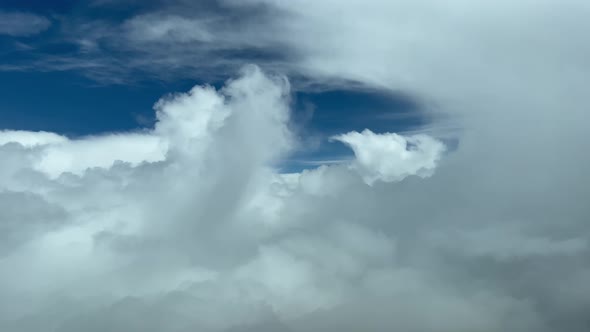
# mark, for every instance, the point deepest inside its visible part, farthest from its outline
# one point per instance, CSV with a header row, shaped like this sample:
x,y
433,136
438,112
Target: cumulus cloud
x,y
391,157
185,226
22,24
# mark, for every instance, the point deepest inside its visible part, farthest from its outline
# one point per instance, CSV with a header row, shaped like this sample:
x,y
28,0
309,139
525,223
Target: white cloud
x,y
29,139
391,157
79,155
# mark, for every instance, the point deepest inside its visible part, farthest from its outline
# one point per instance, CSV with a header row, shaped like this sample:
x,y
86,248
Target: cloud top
x,y
391,157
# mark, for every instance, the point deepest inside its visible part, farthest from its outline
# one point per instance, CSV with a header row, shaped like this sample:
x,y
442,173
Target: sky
x,y
294,166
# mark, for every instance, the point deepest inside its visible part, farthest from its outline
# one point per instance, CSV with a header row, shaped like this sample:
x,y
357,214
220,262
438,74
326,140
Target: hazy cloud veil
x,y
189,226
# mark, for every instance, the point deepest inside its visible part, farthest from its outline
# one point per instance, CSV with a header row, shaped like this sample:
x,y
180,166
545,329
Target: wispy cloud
x,y
20,24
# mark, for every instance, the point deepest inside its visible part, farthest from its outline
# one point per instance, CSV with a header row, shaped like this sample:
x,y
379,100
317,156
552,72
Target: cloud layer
x,y
197,230
188,225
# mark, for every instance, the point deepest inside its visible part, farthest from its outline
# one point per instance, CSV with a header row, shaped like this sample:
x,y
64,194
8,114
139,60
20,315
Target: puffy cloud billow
x,y
391,157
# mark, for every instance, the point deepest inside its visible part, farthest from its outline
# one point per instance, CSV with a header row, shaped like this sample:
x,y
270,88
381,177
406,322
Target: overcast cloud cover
x,y
190,225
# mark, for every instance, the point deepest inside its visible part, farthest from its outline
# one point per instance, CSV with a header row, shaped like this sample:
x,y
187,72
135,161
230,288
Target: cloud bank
x,y
199,231
189,226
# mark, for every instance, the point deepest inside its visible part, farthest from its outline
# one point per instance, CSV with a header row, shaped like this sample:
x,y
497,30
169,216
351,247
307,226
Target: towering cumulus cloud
x,y
189,227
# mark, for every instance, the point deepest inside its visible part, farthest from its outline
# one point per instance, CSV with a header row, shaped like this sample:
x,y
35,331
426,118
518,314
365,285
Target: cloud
x,y
193,207
166,40
167,29
391,157
19,24
210,237
20,224
30,139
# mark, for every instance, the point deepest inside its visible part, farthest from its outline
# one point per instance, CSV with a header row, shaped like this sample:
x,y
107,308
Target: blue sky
x,y
48,81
